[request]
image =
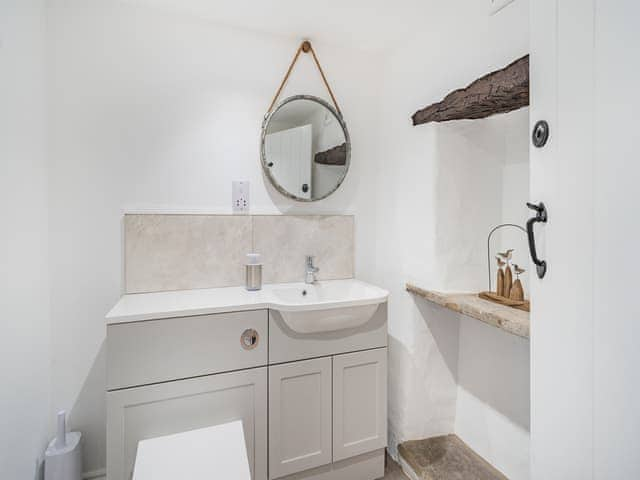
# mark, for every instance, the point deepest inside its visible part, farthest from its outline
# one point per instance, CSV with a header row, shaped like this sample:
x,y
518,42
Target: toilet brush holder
x,y
63,457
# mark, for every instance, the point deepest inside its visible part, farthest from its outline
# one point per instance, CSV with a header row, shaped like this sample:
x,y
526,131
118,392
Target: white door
x,y
585,319
359,403
140,413
299,416
291,153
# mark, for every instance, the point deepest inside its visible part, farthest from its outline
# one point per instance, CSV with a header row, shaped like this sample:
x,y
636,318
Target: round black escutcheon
x,y
540,134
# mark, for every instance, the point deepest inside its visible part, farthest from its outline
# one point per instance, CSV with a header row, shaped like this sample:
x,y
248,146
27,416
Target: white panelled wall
x,y
585,381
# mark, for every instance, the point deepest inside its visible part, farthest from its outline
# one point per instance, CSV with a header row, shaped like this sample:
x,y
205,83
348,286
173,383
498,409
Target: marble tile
x,y
175,252
284,240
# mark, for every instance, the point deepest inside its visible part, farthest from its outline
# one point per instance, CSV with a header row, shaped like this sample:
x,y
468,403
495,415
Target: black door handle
x,y
541,216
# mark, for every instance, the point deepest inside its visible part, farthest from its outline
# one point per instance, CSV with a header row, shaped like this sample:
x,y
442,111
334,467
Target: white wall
x,y
326,136
24,301
153,110
442,187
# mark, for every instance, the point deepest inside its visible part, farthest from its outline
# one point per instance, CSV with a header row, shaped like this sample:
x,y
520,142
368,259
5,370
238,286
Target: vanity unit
x,y
304,367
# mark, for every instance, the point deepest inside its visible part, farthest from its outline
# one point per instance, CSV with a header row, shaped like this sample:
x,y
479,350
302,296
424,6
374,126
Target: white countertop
x,y
322,295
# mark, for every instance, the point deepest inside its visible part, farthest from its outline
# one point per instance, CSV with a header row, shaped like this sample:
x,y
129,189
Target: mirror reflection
x,y
305,148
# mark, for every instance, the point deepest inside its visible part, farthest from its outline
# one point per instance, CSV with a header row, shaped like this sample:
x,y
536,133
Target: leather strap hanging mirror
x,y
305,47
305,145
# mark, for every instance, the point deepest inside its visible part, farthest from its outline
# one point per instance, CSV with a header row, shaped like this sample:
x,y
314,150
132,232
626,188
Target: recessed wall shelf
x,y
497,92
505,318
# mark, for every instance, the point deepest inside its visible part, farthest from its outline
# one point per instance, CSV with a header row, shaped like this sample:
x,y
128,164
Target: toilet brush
x,y
63,457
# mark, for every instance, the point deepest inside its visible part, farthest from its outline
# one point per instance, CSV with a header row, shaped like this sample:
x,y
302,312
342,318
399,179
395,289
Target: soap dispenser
x,y
253,272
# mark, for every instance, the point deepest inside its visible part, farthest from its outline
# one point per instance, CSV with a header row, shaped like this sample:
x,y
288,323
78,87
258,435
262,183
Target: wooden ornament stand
x,y
504,281
524,305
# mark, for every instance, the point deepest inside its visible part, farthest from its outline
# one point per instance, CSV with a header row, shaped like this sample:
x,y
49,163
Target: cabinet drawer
x,y
153,351
135,414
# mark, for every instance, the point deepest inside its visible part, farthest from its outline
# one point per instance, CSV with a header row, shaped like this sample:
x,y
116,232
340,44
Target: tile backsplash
x,y
177,252
284,241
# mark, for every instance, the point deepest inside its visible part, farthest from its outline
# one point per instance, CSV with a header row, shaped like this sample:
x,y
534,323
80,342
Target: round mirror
x,y
305,148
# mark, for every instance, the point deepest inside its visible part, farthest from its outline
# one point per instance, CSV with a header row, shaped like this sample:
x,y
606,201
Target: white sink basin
x,y
326,306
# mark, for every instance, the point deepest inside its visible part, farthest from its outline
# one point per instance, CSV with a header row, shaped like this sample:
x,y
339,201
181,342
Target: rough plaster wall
x,y
442,187
492,408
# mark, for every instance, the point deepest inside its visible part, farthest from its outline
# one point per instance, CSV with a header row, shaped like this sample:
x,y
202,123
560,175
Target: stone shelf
x,y
505,318
444,457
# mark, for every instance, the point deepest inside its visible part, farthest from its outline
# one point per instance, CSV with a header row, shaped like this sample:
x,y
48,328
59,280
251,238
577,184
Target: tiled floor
x,y
393,471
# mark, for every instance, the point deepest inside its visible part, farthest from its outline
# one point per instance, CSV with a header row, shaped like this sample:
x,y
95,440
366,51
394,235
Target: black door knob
x,y
541,217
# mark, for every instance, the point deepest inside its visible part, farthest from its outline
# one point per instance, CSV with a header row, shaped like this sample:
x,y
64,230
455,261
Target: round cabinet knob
x,y
249,339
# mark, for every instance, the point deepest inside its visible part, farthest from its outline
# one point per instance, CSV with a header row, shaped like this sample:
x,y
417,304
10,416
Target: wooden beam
x,y
497,92
333,156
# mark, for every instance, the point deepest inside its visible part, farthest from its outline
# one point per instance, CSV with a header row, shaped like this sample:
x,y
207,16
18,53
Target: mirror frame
x,y
265,124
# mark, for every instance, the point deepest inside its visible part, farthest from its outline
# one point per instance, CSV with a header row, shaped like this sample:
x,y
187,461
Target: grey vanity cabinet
x,y
312,406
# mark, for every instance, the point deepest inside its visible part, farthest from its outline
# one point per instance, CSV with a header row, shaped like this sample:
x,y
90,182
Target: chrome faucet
x,y
310,270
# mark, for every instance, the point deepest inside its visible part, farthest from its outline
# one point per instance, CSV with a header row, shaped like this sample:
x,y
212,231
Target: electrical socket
x,y
240,196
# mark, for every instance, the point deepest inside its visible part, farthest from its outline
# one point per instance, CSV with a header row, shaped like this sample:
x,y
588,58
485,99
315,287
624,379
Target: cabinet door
x,y
299,416
135,414
359,403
